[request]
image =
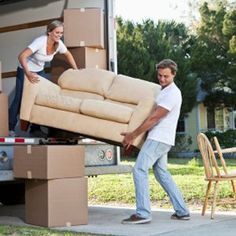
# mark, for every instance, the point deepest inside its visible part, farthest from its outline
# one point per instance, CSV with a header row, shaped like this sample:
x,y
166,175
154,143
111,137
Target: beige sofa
x,y
92,102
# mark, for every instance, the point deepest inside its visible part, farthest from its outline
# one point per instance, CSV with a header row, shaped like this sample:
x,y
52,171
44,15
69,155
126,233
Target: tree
x,y
213,56
229,30
141,46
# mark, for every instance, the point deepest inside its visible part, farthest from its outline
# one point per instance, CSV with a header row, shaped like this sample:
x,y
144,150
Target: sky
x,y
137,11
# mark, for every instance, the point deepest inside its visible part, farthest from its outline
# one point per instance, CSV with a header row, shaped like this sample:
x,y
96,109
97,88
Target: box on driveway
x,y
57,202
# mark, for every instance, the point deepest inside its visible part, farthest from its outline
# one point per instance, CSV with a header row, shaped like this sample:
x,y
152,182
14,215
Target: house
x,y
203,118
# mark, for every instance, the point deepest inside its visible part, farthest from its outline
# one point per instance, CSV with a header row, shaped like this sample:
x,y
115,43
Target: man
x,y
161,126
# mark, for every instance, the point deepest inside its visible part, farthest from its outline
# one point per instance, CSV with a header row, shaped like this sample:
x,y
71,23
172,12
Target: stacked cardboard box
x,y
56,202
85,57
3,110
0,77
84,27
84,37
56,189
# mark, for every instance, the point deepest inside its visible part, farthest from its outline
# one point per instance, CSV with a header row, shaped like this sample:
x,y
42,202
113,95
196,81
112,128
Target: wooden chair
x,y
212,171
221,157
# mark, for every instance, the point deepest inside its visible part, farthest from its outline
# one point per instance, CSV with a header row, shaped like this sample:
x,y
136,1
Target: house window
x,y
181,125
234,119
221,119
211,118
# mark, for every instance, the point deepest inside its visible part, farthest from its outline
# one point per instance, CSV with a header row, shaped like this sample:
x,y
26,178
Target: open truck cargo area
x,y
20,22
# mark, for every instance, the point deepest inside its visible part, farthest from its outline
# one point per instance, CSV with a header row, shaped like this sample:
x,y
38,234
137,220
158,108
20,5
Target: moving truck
x,y
20,22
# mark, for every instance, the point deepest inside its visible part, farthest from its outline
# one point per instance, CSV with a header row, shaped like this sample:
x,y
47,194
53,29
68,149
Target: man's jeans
x,y
15,106
154,154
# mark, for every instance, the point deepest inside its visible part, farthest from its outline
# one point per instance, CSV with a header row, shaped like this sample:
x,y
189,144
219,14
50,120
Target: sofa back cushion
x,y
81,94
59,102
89,80
131,90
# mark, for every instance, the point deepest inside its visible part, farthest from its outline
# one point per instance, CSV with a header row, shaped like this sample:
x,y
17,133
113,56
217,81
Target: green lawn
x,y
35,231
188,174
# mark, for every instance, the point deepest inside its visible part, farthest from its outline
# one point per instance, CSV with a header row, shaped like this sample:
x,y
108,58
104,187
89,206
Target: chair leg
x,y
206,198
234,188
214,199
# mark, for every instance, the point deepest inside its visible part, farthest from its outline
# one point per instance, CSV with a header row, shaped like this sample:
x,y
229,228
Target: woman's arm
x,y
71,59
32,77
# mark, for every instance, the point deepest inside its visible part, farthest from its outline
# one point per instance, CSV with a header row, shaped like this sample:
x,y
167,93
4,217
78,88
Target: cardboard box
x,y
48,161
57,202
84,27
0,77
4,127
85,57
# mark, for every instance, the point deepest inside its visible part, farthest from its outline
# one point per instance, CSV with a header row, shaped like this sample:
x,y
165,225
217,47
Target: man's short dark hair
x,y
167,63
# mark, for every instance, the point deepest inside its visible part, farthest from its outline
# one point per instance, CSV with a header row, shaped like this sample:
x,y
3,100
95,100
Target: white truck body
x,y
20,22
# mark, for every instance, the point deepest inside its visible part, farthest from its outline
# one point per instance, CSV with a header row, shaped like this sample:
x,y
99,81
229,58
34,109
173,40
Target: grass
x,y
9,230
187,173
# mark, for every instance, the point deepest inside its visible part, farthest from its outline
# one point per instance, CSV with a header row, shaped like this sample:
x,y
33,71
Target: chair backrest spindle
x,y
209,161
220,154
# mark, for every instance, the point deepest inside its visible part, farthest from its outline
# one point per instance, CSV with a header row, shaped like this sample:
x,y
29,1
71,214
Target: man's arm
x,y
156,115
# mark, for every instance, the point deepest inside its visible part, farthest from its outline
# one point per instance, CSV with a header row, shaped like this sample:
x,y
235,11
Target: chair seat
x,y
223,177
229,175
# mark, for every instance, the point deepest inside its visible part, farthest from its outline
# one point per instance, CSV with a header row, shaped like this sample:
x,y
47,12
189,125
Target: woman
x,y
32,61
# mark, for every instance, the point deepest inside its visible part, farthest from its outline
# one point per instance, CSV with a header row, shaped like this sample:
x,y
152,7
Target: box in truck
x,y
3,114
84,27
85,57
0,77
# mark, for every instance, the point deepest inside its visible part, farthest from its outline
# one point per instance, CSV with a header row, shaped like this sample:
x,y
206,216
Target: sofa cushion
x,y
106,110
57,101
133,106
87,80
130,90
80,94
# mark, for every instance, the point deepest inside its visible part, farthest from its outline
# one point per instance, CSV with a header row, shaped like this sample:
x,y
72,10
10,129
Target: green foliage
x,y
182,143
226,139
214,53
193,162
229,24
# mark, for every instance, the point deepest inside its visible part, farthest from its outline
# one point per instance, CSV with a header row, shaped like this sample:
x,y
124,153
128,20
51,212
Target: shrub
x,y
226,139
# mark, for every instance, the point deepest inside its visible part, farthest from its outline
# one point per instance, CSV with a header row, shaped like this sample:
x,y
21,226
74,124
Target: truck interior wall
x,y
13,13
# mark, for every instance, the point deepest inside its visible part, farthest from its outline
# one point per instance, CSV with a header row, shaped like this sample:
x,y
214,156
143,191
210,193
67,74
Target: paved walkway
x,y
106,220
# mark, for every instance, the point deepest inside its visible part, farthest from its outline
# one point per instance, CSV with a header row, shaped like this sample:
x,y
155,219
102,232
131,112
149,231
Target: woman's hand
x,y
32,77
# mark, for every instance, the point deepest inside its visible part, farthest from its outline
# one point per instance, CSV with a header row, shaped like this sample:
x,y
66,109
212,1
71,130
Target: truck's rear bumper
x,y
101,170
7,175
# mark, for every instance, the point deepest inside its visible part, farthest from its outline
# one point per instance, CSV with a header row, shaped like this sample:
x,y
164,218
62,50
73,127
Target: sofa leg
x,y
24,125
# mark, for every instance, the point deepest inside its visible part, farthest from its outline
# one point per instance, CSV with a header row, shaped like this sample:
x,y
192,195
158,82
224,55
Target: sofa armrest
x,y
30,92
140,113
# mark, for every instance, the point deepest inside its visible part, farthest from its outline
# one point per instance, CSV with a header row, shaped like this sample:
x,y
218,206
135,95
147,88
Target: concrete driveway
x,y
106,220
